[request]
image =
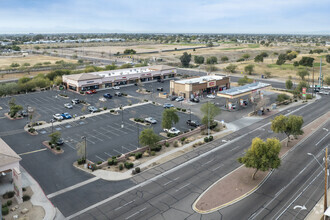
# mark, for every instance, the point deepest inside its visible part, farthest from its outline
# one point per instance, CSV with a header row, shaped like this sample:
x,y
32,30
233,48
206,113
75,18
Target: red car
x,y
91,91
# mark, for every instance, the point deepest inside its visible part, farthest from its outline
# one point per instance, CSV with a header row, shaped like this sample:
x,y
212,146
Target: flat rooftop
x,y
199,80
244,89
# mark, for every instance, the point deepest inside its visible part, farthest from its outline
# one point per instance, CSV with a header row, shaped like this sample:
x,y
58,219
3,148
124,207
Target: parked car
x,y
92,109
324,92
60,141
68,105
160,80
23,113
75,101
160,89
58,116
118,94
107,95
167,105
150,120
194,100
91,91
116,87
66,115
179,99
172,130
193,123
102,99
210,96
172,98
30,109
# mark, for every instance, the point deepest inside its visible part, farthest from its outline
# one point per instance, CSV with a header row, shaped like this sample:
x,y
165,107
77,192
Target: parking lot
x,y
104,135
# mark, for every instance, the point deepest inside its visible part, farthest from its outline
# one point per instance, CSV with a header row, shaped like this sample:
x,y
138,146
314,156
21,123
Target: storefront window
x,y
73,88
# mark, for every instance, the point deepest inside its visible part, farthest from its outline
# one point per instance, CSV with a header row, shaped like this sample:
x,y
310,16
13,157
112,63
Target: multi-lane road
x,y
170,194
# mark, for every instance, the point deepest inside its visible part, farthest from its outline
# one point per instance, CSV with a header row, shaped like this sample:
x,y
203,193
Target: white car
x,y
324,92
210,96
172,130
58,116
150,120
116,87
68,105
102,99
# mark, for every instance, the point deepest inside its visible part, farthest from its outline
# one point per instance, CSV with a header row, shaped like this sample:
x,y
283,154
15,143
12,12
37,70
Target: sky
x,y
165,16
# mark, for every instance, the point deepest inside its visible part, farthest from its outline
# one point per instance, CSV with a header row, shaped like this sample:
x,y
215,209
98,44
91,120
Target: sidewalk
x,y
39,198
317,212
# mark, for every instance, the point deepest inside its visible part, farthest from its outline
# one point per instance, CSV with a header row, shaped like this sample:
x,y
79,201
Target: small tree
x,y
199,59
249,69
302,84
210,111
212,60
281,59
185,59
246,56
244,80
231,68
259,58
149,138
302,74
288,84
54,137
170,116
224,59
290,125
306,61
262,155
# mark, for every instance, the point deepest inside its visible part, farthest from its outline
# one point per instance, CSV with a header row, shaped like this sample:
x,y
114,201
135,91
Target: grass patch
x,y
232,48
285,66
254,45
318,64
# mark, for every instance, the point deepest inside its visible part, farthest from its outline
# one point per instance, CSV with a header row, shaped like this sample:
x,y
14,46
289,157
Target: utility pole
x,y
84,138
208,120
325,182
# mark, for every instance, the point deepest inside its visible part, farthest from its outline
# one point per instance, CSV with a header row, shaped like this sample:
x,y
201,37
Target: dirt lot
x,y
5,62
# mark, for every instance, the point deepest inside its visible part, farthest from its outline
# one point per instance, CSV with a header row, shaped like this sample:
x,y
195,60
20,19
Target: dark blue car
x,y
107,95
66,115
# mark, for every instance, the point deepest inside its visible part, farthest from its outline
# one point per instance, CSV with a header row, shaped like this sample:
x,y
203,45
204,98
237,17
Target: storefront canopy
x,y
237,92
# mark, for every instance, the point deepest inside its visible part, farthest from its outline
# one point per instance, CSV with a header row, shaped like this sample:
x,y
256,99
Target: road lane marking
x,y
138,212
182,187
49,196
217,167
31,152
322,139
124,205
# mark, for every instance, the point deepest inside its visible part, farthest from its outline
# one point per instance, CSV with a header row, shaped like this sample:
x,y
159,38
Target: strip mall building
x,y
105,79
195,87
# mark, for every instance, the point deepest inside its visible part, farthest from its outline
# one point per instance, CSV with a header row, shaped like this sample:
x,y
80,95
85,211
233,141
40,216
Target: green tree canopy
x,y
244,80
199,59
302,74
148,137
54,137
281,59
306,61
129,51
111,67
249,69
302,84
288,84
212,60
170,116
291,125
210,111
224,59
231,68
262,155
259,58
246,56
185,59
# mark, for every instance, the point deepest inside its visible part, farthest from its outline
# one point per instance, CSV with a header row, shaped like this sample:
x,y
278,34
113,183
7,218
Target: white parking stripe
x,y
108,131
99,158
102,134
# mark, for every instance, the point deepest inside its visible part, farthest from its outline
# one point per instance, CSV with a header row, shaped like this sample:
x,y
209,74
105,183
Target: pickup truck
x,y
193,123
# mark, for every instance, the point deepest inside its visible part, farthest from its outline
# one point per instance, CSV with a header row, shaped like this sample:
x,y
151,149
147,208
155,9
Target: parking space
x,y
105,135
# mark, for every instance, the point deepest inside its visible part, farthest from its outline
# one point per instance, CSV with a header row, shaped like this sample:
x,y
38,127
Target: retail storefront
x,y
106,79
199,86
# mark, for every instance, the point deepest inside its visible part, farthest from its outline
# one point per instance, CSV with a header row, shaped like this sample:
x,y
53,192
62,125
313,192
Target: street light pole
x,y
122,116
84,138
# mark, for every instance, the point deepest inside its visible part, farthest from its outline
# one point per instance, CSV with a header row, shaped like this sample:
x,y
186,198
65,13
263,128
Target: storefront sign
x,y
304,91
211,84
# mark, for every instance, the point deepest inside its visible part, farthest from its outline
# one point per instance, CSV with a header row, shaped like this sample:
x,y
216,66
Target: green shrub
x,y
183,139
110,162
211,138
113,157
146,100
167,144
171,135
184,110
31,130
24,189
179,109
82,92
137,169
309,96
115,161
213,125
99,162
81,161
128,165
152,153
206,139
121,166
9,202
153,102
112,111
8,195
282,97
156,148
138,155
58,148
26,198
4,205
105,108
5,211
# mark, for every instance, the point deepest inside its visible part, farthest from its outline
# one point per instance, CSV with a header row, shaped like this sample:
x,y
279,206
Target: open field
x,y
5,62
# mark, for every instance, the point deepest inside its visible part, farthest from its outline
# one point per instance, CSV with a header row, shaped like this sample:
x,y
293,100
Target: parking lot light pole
x,y
122,116
84,138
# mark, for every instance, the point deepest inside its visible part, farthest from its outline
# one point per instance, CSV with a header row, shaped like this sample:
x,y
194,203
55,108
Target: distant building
x,y
195,87
105,79
327,43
